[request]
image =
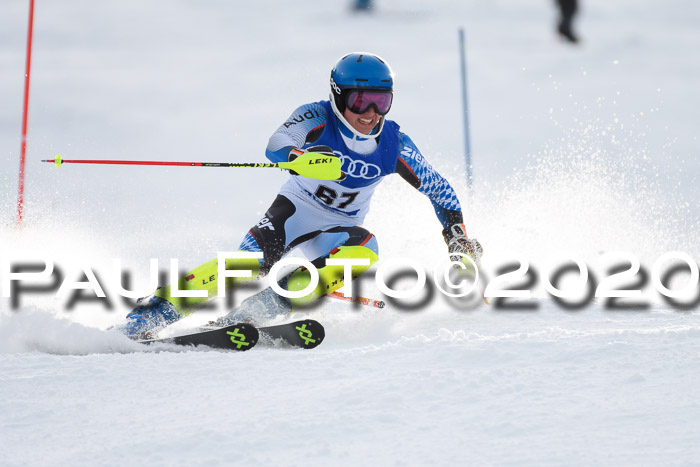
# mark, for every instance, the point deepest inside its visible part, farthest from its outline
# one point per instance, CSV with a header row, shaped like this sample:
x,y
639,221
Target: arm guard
x,y
417,171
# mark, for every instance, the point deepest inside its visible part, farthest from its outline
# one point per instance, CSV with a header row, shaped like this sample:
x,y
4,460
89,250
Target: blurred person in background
x,y
567,11
362,5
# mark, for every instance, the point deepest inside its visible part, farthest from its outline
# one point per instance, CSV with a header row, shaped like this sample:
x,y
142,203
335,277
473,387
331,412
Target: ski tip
x,y
311,333
240,337
304,334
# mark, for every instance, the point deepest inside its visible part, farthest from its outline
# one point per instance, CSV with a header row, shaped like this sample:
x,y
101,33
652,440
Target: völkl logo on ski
x,y
305,334
240,343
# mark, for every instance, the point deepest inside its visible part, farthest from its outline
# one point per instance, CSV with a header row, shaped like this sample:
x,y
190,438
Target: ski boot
x,y
144,321
256,310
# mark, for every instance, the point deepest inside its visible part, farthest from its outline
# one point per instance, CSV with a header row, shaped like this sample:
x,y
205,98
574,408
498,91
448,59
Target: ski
x,y
240,337
305,334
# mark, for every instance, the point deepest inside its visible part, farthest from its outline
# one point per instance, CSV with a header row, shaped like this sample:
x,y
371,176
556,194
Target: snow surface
x,y
577,150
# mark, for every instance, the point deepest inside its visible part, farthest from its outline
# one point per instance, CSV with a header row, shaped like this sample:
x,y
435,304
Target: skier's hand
x,y
295,152
320,149
457,242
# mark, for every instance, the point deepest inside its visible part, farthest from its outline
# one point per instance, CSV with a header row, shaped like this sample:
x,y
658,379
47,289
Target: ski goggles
x,y
359,101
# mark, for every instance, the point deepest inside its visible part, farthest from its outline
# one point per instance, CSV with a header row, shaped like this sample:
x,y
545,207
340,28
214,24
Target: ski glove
x,y
457,242
294,153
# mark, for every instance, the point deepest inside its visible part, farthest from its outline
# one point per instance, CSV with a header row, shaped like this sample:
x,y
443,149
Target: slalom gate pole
x,y
465,106
25,111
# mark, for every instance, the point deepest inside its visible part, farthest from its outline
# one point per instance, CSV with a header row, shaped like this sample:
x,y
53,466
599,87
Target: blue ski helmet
x,y
363,71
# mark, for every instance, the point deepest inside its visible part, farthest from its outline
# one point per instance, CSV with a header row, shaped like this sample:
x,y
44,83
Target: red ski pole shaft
x,y
310,165
59,161
360,300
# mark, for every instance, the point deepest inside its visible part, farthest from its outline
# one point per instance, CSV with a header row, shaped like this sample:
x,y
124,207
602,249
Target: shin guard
x,y
205,277
331,278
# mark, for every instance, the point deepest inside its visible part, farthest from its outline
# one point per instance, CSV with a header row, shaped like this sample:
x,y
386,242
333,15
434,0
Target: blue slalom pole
x,y
465,107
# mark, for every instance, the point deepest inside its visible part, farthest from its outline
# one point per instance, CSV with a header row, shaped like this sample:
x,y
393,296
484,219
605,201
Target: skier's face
x,y
362,122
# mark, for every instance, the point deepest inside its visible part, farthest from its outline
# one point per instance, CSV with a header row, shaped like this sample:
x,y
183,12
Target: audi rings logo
x,y
357,168
335,86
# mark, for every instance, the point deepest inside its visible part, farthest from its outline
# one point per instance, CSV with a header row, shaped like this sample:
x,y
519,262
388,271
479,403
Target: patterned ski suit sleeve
x,y
305,125
417,171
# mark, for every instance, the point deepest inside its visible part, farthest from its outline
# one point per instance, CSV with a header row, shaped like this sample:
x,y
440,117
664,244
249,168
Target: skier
x,y
567,11
323,218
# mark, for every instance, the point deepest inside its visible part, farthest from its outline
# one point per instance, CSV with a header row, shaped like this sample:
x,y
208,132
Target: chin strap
x,y
356,133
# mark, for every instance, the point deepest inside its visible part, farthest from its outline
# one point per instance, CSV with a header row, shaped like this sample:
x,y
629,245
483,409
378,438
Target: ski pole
x,y
360,300
310,164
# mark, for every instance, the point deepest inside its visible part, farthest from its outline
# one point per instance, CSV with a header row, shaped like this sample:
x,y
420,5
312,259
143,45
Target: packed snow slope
x,y
576,151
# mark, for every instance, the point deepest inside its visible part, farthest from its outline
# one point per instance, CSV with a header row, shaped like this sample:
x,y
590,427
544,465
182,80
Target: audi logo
x,y
357,168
